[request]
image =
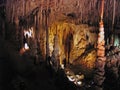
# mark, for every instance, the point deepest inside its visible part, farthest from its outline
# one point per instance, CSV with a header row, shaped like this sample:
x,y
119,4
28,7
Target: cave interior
x,y
59,45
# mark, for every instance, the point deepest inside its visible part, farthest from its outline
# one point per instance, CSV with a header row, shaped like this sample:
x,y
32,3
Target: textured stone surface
x,y
85,11
76,43
63,18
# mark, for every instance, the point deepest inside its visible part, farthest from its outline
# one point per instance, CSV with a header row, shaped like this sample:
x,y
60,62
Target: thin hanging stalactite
x,y
13,12
23,7
113,20
46,28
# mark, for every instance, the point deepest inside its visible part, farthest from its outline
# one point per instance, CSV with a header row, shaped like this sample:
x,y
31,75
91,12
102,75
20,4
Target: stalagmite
x,y
55,59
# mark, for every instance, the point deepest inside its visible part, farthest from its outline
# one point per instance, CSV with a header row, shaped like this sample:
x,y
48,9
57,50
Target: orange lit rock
x,y
73,40
101,53
22,50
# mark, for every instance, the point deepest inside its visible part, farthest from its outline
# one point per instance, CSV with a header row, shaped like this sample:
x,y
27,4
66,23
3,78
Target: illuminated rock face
x,y
64,19
76,43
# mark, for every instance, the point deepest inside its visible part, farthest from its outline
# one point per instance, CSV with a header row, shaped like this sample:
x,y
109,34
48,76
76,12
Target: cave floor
x,y
21,73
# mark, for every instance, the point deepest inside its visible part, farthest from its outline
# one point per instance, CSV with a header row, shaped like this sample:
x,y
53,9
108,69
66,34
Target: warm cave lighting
x,y
24,49
79,82
71,78
28,33
26,46
76,79
62,66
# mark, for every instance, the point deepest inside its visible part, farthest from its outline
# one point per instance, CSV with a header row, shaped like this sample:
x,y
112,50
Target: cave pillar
x,y
100,62
101,59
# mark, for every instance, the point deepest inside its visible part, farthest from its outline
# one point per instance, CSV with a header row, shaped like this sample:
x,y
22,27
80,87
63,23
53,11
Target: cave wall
x,y
65,18
77,43
77,12
61,17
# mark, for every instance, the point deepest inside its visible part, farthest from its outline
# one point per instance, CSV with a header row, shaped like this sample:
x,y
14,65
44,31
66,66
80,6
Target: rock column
x,y
100,62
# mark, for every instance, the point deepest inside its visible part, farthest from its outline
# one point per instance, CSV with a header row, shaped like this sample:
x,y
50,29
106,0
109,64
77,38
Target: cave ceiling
x,y
82,11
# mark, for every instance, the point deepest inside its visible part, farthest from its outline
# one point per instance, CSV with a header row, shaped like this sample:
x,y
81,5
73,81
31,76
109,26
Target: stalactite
x,y
38,34
113,20
11,13
42,30
86,8
23,7
41,12
55,58
46,27
55,4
